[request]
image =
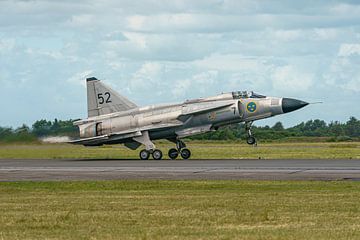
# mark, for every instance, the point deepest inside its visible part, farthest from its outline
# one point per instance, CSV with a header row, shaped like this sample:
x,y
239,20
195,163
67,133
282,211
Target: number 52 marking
x,y
102,99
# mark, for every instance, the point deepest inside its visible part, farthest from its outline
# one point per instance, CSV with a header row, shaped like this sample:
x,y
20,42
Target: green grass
x,y
180,210
200,150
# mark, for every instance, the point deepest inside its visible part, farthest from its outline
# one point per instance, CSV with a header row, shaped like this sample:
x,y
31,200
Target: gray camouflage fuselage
x,y
174,121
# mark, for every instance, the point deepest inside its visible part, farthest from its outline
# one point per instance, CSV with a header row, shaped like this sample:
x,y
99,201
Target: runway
x,y
77,169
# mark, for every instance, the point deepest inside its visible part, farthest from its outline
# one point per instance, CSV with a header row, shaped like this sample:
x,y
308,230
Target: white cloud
x,y
198,83
136,22
231,62
347,49
7,45
138,39
288,35
345,9
353,84
146,77
181,88
79,78
206,78
344,72
83,20
325,33
291,80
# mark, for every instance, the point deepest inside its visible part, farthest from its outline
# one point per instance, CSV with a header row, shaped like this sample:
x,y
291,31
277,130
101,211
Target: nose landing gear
x,y
180,148
251,140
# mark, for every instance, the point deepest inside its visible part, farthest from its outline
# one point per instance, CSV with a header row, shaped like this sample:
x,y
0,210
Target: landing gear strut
x,y
150,148
180,148
251,140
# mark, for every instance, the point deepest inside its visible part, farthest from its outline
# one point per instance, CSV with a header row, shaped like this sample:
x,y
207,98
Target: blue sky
x,y
169,51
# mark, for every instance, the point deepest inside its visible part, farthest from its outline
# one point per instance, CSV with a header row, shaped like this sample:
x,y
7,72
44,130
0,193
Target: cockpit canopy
x,y
246,94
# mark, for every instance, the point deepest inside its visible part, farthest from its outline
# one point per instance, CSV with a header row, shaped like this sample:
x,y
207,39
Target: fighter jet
x,y
114,119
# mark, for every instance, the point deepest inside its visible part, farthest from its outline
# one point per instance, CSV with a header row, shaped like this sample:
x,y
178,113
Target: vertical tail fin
x,y
104,100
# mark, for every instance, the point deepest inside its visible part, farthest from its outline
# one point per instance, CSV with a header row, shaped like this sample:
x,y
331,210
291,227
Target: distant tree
x,y
41,127
353,127
55,126
23,129
278,126
5,132
336,129
21,134
67,127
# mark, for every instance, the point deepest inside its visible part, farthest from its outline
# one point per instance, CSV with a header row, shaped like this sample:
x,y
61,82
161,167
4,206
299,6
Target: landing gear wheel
x,y
157,154
144,154
173,153
185,153
251,140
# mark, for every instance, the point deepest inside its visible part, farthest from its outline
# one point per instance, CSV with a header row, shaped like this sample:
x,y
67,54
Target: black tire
x,y
157,154
144,154
173,153
251,140
185,153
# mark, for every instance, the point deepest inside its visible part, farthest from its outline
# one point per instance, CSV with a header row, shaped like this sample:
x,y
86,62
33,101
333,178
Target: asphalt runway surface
x,y
86,169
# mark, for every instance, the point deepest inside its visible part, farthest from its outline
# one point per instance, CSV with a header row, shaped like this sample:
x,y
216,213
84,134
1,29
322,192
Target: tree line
x,y
41,128
333,131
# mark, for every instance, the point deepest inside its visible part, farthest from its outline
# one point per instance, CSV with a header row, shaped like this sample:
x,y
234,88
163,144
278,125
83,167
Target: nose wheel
x,y
180,149
251,140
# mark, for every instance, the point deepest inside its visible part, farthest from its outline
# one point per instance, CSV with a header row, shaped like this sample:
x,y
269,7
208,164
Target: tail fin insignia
x,y
104,100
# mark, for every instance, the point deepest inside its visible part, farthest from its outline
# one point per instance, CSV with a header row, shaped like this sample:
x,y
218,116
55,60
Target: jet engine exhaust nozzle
x,y
290,104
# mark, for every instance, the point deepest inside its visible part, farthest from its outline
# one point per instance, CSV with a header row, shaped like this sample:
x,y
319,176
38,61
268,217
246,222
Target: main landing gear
x,y
251,140
180,148
156,154
150,148
173,152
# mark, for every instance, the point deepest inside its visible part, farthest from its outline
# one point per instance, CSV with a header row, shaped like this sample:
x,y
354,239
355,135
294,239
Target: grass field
x,y
180,210
200,150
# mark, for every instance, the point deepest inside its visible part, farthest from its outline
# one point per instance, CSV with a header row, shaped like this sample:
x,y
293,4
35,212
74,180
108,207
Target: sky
x,y
168,51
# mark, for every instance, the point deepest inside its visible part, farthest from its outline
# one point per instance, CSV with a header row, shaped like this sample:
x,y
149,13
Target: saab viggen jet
x,y
114,119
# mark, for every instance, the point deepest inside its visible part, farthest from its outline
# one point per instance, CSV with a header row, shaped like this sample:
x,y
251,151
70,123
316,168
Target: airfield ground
x,y
191,209
180,210
200,150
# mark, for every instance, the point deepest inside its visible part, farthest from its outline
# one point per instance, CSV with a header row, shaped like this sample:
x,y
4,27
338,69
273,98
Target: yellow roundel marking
x,y
251,107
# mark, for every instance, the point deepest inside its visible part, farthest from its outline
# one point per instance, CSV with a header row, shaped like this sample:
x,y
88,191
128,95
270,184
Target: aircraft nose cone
x,y
290,104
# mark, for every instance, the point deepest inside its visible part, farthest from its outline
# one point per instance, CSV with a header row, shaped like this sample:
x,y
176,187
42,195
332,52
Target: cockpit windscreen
x,y
246,94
